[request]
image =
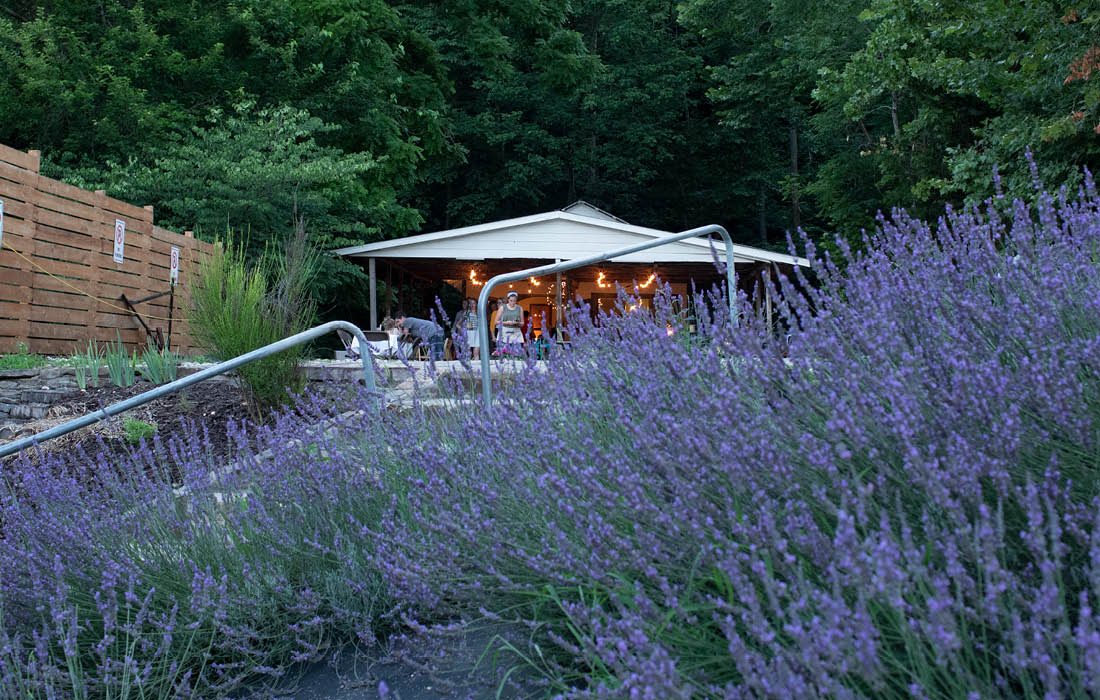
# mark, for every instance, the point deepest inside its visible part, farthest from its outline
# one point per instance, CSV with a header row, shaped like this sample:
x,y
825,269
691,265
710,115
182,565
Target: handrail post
x,y
483,298
220,368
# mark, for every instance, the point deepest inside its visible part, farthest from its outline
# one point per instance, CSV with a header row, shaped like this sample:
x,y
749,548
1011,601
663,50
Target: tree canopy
x,y
375,118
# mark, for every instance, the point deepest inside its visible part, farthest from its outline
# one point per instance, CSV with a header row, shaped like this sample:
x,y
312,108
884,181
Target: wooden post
x,y
23,317
96,285
768,299
373,275
557,301
389,290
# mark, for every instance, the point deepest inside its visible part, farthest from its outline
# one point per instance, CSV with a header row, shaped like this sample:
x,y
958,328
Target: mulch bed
x,y
213,403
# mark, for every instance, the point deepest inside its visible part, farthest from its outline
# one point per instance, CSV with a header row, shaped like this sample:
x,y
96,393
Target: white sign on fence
x,y
120,239
174,268
1,223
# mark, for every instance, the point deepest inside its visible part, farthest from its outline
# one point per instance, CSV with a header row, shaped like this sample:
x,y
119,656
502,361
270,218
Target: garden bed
x,y
211,403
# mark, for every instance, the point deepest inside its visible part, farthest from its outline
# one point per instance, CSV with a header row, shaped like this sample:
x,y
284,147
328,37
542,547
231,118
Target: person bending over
x,y
427,332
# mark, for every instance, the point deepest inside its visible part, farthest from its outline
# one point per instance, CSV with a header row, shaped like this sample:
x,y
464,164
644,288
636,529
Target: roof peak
x,y
583,208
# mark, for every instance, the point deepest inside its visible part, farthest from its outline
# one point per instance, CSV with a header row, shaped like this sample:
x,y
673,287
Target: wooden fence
x,y
60,284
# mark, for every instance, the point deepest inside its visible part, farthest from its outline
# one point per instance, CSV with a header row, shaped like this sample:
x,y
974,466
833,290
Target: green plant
x,y
22,358
120,364
160,366
237,308
137,430
87,364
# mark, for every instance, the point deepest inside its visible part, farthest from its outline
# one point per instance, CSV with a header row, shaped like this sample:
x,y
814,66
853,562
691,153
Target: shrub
x,y
159,366
237,308
137,430
86,364
120,364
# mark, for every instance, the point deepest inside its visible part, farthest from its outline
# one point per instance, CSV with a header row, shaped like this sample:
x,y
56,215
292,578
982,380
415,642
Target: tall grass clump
x,y
902,502
239,306
159,365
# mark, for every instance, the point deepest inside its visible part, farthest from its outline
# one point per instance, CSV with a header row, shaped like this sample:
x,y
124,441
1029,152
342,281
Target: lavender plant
x,y
901,503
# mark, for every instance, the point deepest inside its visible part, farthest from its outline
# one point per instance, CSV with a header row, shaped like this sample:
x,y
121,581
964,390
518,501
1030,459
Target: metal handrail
x,y
220,368
483,298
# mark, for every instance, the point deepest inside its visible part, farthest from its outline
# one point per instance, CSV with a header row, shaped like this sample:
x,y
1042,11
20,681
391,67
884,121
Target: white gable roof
x,y
555,235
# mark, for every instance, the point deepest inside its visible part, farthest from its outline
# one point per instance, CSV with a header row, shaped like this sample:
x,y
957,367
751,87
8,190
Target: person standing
x,y
466,319
427,332
511,323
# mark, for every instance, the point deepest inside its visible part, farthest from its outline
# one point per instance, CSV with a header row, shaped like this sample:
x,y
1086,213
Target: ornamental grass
x,y
901,501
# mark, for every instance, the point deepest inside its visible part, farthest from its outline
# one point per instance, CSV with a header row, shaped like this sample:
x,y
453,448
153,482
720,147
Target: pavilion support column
x,y
768,299
557,302
373,274
389,290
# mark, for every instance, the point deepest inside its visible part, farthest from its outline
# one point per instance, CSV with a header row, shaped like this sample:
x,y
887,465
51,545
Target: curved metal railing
x,y
483,298
220,368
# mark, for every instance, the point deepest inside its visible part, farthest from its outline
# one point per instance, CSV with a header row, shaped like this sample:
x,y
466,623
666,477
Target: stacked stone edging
x,y
28,394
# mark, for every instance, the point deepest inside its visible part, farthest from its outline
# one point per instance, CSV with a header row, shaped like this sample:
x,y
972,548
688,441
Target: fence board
x,y
48,250
64,189
16,174
69,223
13,328
80,210
65,299
17,293
25,161
62,236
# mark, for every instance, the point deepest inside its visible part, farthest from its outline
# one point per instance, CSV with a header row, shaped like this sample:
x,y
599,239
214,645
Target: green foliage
x,y
120,364
137,430
238,307
374,118
941,93
159,366
86,364
22,358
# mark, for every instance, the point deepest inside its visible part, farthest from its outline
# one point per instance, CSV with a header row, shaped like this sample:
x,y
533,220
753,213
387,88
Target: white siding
x,y
547,240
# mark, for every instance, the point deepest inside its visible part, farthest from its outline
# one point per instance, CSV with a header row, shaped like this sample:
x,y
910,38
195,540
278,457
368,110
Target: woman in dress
x,y
511,323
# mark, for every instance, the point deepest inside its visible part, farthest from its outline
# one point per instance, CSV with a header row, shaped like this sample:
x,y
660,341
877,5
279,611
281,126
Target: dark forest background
x,y
376,119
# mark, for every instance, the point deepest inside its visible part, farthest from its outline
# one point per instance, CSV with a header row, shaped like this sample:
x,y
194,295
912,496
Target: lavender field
x,y
903,502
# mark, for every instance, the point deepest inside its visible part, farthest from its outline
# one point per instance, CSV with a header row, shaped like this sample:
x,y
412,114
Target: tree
x,y
253,170
943,92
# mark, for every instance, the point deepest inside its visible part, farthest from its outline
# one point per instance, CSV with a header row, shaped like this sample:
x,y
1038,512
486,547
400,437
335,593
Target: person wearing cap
x,y
511,322
428,332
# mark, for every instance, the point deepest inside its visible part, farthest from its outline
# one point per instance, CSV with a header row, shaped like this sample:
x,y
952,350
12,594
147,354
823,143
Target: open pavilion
x,y
466,257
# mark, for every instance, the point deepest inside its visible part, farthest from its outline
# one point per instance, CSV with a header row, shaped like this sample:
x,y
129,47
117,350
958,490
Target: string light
x,y
600,281
474,280
648,281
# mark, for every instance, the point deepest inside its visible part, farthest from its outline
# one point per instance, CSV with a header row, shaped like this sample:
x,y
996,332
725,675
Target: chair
x,y
349,344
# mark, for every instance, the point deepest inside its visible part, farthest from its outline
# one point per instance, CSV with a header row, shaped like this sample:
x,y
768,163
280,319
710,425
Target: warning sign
x,y
120,239
174,267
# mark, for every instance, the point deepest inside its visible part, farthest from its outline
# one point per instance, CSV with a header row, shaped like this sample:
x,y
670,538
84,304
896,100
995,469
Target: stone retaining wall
x,y
27,394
